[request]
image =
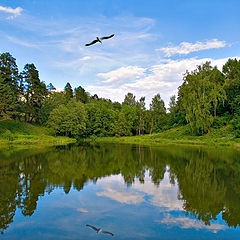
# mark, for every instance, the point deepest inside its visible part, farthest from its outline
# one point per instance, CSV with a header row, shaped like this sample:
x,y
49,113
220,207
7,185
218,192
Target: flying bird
x,y
99,230
99,40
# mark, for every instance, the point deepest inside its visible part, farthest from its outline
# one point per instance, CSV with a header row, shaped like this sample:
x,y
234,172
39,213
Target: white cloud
x,y
121,195
59,89
114,188
109,92
187,47
122,74
13,11
163,78
82,210
186,223
163,196
86,58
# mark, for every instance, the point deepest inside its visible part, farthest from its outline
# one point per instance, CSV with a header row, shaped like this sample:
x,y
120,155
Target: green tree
x,y
129,100
53,100
7,101
9,71
35,92
131,114
101,118
201,91
158,112
172,104
9,84
148,121
117,106
176,115
81,95
140,110
68,92
172,115
94,97
122,126
217,93
231,71
68,120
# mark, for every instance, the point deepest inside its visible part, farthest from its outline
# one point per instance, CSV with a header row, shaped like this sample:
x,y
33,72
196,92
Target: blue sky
x,y
155,41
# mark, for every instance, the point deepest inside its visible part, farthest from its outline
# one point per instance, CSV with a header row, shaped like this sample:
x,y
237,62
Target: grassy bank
x,y
21,133
179,135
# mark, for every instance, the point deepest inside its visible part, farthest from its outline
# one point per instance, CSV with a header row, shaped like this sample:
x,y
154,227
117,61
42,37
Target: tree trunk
x,y
208,130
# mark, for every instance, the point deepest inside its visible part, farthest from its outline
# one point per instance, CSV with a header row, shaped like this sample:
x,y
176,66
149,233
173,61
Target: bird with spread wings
x,y
99,40
99,230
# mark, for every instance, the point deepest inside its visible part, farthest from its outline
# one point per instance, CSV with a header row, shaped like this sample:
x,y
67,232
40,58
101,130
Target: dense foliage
x,y
207,98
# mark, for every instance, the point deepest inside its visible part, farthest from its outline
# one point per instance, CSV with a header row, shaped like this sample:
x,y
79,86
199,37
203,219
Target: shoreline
x,y
162,142
158,139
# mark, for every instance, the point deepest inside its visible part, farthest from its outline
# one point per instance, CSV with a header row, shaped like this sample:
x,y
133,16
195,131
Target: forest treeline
x,y
208,98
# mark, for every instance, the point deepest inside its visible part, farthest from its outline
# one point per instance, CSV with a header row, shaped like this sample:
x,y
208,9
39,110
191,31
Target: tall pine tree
x,y
35,92
68,92
81,95
9,84
7,103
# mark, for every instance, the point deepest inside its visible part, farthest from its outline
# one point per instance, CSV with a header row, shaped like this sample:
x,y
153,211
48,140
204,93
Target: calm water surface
x,y
134,192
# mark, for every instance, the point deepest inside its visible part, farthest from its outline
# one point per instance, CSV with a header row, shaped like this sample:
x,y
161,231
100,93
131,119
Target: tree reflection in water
x,y
208,179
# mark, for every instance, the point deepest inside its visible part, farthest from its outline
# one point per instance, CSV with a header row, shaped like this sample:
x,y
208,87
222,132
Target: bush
x,y
8,135
219,122
235,122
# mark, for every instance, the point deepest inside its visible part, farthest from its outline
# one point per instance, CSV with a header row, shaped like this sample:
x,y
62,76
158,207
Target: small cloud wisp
x,y
187,47
13,11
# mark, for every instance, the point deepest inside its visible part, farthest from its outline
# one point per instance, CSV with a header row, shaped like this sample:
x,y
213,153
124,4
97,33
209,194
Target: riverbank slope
x,y
21,133
179,135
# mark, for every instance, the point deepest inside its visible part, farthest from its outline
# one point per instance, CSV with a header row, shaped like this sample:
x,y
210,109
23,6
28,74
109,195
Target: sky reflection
x,y
162,195
139,211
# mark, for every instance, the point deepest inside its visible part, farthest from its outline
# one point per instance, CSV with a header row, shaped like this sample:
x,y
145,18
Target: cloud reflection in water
x,y
164,197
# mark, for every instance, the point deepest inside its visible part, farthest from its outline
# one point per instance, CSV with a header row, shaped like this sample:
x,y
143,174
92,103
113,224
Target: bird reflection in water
x,y
99,230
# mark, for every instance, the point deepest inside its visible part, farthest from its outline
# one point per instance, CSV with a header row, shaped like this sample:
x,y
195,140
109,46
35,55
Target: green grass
x,y
25,134
180,135
24,128
21,133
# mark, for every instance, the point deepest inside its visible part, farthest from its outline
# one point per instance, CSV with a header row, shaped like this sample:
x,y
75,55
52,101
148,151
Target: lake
x,y
130,191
